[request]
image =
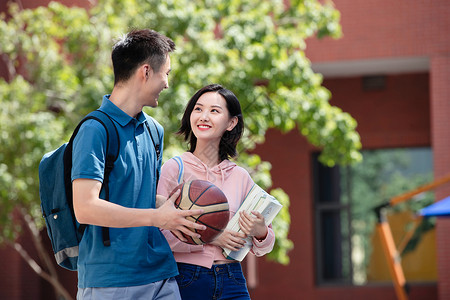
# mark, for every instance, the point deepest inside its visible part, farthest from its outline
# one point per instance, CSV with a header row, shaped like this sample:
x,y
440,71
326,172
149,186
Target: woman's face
x,y
210,117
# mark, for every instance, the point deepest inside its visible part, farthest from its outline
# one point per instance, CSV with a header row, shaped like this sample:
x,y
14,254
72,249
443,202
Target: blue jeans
x,y
221,282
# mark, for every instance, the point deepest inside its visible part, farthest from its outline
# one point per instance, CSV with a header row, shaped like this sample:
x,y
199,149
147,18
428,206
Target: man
x,y
138,264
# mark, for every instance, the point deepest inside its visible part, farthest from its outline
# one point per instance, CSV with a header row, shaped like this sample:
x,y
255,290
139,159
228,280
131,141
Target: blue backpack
x,y
55,191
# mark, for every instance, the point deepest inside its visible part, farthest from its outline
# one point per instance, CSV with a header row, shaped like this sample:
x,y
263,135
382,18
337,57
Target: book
x,y
256,200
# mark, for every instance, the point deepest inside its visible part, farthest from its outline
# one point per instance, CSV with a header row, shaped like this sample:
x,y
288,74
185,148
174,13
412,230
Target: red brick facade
x,y
395,117
412,110
440,112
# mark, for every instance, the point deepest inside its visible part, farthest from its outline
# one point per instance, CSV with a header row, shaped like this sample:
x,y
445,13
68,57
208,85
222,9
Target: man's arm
x,y
90,209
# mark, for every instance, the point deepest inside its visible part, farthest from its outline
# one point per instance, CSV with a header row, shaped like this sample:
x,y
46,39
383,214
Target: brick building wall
x,y
383,28
397,116
440,111
412,110
10,277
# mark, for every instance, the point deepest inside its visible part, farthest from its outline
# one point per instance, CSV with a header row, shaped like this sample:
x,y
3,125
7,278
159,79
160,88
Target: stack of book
x,y
256,200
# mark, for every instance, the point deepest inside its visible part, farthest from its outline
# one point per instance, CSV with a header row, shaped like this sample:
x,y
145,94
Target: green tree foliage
x,y
58,68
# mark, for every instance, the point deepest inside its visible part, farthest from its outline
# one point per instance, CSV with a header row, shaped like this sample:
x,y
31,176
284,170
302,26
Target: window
x,y
347,247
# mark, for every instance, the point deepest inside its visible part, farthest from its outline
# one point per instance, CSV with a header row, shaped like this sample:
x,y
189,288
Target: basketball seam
x,y
211,212
181,196
205,205
199,221
193,202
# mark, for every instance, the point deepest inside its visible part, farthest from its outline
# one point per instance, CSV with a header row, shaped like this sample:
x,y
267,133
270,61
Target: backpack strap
x,y
153,131
112,153
180,168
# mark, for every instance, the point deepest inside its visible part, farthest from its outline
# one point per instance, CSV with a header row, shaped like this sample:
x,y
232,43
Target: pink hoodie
x,y
234,181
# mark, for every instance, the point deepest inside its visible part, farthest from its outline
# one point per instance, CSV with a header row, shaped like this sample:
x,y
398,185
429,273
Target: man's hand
x,y
173,219
230,239
253,225
160,200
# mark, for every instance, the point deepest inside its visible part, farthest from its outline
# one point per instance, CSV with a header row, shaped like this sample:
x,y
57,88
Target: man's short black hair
x,y
139,47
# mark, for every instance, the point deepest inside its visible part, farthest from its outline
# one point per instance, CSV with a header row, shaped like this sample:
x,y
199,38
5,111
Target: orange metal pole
x,y
421,189
393,260
387,240
401,247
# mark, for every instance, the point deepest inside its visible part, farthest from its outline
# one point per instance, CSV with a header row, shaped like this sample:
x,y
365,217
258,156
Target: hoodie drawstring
x,y
222,173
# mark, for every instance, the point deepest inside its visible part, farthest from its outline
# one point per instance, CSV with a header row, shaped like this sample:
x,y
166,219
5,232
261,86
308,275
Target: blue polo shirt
x,y
138,255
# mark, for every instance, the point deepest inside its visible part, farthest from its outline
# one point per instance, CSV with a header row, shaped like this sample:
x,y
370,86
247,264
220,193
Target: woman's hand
x,y
253,225
230,239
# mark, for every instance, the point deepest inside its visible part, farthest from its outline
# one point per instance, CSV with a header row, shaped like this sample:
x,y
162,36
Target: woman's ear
x,y
233,122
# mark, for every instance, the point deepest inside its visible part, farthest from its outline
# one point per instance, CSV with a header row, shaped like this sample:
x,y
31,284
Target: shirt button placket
x,y
138,150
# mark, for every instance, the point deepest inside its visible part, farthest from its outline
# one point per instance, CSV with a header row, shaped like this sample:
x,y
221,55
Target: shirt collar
x,y
117,114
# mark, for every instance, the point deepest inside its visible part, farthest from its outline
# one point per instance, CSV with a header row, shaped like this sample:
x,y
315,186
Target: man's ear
x,y
233,122
146,71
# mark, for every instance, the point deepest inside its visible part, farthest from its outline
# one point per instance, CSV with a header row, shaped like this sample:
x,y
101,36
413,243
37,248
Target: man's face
x,y
157,82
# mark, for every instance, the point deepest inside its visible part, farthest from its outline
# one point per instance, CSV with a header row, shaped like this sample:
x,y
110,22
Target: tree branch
x,y
52,276
37,241
38,270
10,66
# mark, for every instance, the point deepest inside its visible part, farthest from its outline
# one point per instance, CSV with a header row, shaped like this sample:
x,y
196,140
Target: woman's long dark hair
x,y
229,140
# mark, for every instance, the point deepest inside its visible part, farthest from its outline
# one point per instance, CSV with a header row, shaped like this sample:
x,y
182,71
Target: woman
x,y
213,124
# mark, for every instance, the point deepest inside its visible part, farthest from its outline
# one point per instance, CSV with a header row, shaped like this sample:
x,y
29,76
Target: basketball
x,y
201,194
